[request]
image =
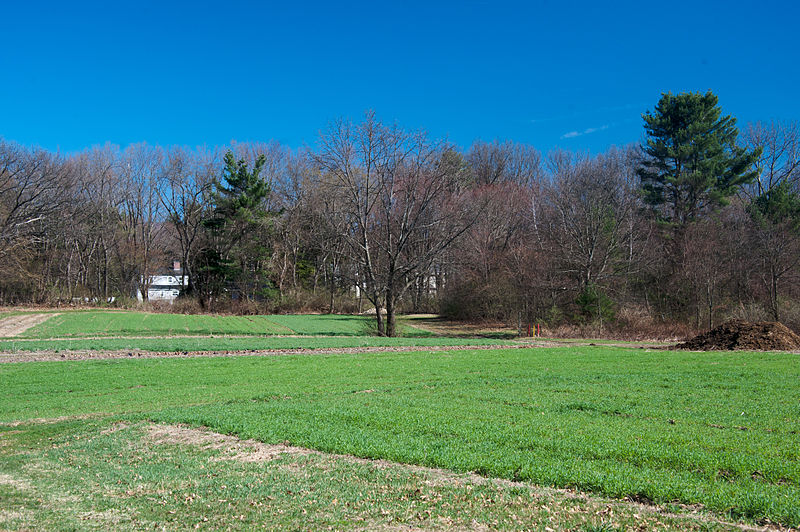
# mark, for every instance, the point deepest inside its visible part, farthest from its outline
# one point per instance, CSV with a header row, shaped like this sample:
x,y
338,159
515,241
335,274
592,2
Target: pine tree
x,y
238,213
240,196
692,162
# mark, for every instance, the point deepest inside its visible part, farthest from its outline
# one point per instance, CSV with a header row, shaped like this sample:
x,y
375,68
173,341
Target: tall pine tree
x,y
238,212
692,163
691,166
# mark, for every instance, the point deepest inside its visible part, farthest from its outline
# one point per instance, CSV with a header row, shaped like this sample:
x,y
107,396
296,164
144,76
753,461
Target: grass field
x,y
714,430
94,474
123,323
140,331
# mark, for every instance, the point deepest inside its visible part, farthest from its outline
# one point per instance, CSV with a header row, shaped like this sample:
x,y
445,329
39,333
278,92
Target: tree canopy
x,y
382,216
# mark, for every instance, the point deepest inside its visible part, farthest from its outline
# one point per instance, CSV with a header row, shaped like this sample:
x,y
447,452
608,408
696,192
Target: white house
x,y
167,286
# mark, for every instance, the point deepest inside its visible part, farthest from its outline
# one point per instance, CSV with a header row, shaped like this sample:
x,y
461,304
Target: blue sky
x,y
575,75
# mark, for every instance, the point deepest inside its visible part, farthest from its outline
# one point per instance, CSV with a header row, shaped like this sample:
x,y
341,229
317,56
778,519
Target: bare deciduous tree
x,y
140,216
184,185
775,232
397,196
32,188
594,202
780,157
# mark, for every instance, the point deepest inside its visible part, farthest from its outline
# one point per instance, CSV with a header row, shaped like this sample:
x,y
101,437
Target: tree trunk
x,y
332,294
774,297
697,311
710,299
390,311
379,317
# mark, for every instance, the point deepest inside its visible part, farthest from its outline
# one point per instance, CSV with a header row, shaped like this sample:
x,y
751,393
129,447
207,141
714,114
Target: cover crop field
x,y
711,432
88,331
124,323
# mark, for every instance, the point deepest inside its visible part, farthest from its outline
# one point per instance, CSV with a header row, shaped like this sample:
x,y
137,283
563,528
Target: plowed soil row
x,y
49,356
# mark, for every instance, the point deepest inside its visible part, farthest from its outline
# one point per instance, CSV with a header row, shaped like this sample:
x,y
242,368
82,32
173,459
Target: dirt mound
x,y
745,335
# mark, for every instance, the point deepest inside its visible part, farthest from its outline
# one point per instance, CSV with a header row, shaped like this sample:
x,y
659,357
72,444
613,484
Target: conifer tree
x,y
240,196
238,212
692,163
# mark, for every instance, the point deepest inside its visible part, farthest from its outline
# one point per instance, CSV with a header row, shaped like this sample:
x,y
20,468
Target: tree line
x,y
698,223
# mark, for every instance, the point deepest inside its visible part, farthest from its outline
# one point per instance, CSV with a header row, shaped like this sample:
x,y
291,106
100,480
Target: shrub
x,y
595,305
187,305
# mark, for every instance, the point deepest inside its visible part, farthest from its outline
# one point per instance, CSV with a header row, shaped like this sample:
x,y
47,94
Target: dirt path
x,y
16,325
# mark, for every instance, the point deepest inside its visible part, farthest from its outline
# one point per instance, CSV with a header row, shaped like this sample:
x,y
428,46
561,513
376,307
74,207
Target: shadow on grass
x,y
452,329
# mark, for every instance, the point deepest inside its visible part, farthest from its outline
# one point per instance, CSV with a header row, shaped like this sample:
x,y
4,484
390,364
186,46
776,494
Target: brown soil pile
x,y
745,335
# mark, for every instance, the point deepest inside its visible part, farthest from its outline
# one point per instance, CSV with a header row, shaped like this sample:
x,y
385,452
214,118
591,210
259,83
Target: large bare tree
x,y
141,216
594,200
397,196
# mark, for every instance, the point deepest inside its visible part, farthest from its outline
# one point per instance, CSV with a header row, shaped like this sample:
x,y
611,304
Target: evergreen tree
x,y
240,197
238,215
692,163
778,205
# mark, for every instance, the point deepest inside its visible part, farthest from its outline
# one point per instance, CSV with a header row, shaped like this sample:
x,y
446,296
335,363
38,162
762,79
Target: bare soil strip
x,y
50,420
16,325
58,356
51,356
193,336
232,448
254,451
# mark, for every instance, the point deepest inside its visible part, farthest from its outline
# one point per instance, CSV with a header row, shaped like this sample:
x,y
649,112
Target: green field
x,y
102,330
93,474
140,331
718,430
123,323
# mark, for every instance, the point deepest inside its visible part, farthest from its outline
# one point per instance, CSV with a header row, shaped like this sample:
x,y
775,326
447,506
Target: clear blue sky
x,y
572,74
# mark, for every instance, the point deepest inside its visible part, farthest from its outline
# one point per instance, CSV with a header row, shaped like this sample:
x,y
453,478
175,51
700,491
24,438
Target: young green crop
x,y
715,429
75,475
120,323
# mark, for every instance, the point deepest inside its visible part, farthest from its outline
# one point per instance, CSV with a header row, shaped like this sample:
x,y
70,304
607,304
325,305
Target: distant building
x,y
167,285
